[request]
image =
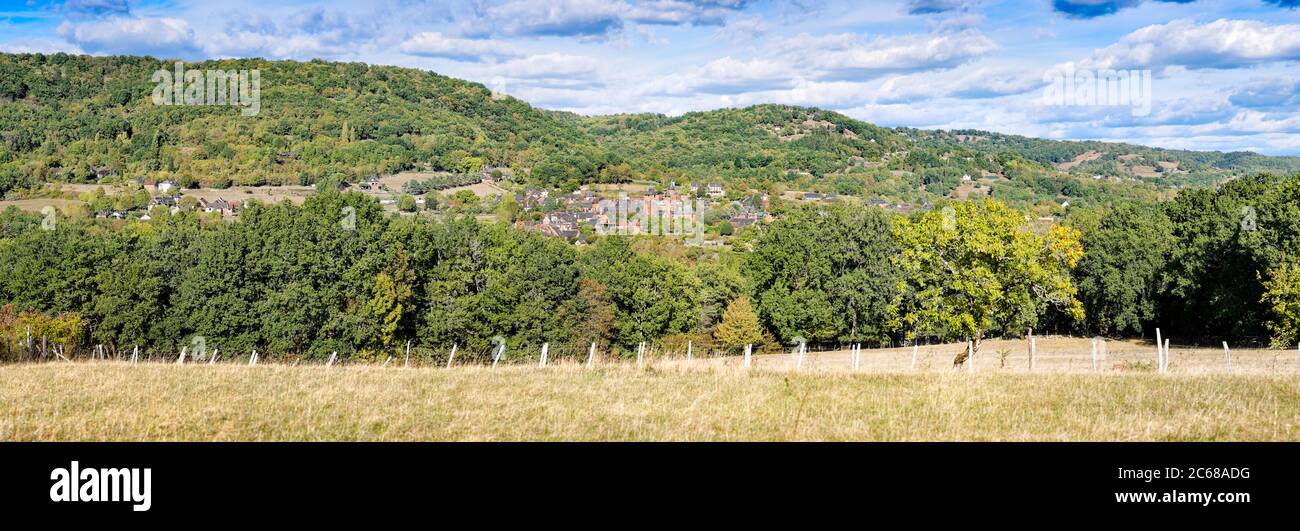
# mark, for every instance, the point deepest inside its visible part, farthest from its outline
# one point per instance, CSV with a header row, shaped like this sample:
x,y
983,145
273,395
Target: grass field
x,y
662,402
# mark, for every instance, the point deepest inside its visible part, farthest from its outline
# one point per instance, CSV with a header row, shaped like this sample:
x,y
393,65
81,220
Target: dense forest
x,y
82,119
294,280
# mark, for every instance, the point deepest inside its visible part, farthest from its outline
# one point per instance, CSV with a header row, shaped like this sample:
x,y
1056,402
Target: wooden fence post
x,y
180,360
749,355
451,356
591,354
385,363
915,349
330,363
500,352
689,348
135,354
545,348
640,352
803,347
1094,353
213,358
1160,352
407,362
1166,355
1033,351
252,358
970,357
1227,356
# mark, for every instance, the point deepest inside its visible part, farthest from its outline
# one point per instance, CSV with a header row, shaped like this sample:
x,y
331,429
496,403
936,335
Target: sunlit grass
x,y
119,401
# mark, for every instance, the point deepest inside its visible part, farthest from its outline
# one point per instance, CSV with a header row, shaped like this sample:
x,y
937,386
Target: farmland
x,y
664,400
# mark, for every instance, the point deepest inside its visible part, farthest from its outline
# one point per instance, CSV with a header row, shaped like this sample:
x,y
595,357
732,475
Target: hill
x,y
81,119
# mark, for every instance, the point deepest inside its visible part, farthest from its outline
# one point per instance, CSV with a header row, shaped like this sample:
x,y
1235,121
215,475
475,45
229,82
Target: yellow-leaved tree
x,y
974,267
739,325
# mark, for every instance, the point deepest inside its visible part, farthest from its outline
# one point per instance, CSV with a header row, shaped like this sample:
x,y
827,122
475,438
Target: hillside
x,y
68,117
81,119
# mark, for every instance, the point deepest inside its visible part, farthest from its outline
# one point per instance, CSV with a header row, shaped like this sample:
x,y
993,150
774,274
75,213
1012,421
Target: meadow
x,y
663,400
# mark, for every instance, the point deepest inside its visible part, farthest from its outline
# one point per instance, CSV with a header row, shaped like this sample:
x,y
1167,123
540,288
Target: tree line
x,y
337,274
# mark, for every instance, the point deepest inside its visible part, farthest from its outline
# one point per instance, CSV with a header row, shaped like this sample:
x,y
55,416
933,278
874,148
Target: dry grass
x,y
666,401
1055,355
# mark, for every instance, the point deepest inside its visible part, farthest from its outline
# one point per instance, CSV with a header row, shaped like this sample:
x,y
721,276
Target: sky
x,y
1225,75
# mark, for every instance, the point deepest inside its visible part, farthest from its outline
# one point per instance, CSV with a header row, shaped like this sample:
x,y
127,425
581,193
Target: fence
x,y
1030,354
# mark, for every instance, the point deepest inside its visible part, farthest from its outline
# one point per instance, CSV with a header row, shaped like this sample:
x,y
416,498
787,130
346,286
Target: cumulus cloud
x,y
849,56
163,37
1219,44
565,18
552,70
1270,95
434,44
725,76
977,82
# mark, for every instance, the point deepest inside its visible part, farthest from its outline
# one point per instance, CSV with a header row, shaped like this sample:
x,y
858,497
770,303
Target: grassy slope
x,y
109,401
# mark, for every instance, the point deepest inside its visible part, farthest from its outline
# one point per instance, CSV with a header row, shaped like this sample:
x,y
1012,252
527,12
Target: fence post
x,y
915,348
500,352
545,347
252,358
385,364
213,358
1094,353
1166,355
689,348
749,355
180,360
803,347
407,362
135,354
330,363
1227,356
591,354
640,351
1033,352
452,356
1160,352
970,357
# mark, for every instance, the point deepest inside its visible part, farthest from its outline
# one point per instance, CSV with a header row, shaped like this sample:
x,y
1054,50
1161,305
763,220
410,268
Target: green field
x,y
119,401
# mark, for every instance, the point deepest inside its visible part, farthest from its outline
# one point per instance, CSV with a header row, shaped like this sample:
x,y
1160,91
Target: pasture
x,y
665,399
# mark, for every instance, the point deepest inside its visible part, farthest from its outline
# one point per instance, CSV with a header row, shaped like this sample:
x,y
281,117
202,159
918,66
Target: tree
x,y
1282,297
824,274
739,325
1121,275
406,203
974,268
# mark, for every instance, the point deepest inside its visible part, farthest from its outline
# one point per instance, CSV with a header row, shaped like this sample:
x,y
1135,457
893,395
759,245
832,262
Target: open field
x,y
1055,354
227,402
36,204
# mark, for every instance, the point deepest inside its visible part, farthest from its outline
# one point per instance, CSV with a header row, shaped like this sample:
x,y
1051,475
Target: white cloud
x,y
725,76
974,82
550,70
434,44
849,56
163,37
1220,44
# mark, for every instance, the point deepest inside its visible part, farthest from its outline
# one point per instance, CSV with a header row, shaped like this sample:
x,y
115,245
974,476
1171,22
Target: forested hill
x,y
83,119
65,117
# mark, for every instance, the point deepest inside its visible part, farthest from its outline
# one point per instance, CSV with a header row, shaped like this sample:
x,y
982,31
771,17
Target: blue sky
x,y
1226,74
